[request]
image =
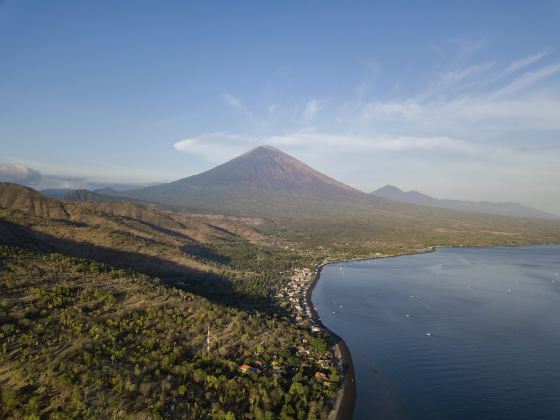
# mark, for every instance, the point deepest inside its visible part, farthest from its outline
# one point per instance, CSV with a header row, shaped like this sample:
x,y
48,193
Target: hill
x,y
88,330
502,209
30,202
128,235
80,339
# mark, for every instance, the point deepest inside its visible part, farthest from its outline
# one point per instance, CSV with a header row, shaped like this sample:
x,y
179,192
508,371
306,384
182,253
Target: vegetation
x,y
106,307
85,340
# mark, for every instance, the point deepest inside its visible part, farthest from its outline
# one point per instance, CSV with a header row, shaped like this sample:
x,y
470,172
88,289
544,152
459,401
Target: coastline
x,y
344,406
346,399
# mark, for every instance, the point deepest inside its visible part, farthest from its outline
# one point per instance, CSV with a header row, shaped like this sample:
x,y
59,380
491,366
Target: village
x,y
293,298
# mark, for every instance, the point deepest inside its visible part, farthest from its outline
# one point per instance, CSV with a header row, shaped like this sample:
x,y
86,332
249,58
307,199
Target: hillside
x,y
30,202
502,209
81,302
80,339
128,235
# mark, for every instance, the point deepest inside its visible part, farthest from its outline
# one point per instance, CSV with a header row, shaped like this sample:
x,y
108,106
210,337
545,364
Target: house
x,y
246,368
320,376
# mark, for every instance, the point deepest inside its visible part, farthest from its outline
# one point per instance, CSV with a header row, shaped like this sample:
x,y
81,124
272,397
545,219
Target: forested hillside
x,y
88,331
84,340
129,309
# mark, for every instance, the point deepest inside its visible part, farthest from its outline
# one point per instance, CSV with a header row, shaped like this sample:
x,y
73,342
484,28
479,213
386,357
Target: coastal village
x,y
293,297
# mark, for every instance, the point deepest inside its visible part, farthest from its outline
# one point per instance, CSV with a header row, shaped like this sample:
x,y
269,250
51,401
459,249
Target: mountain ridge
x,y
496,208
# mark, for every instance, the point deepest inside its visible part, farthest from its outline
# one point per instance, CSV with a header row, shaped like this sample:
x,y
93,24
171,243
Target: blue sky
x,y
456,99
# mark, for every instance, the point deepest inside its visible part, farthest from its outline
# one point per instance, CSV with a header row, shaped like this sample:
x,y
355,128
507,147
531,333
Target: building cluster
x,y
295,295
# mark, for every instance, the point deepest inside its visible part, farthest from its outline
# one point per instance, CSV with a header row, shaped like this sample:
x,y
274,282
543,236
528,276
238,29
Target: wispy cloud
x,y
526,62
529,79
472,122
538,148
220,146
312,107
473,102
461,111
236,104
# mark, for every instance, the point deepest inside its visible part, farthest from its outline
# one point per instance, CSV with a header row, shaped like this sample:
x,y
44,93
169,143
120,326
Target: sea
x,y
459,333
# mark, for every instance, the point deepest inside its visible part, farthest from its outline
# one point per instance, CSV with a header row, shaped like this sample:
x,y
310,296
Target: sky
x,y
458,100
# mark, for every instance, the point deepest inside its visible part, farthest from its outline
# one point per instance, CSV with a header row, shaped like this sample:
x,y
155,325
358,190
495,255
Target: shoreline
x,y
346,399
344,406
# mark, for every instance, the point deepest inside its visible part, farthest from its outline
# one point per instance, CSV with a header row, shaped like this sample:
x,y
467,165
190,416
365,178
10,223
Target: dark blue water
x,y
460,333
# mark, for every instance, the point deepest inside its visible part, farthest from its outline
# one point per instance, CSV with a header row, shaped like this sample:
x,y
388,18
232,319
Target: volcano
x,y
264,178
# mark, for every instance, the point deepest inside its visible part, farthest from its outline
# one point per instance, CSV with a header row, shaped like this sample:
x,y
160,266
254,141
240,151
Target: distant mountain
x,y
502,209
55,192
330,217
102,195
265,177
82,195
106,191
58,193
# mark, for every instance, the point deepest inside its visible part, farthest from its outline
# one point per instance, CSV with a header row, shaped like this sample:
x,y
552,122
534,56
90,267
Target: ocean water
x,y
460,333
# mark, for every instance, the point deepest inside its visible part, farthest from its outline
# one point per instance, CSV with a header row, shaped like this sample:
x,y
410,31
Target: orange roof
x,y
321,376
245,368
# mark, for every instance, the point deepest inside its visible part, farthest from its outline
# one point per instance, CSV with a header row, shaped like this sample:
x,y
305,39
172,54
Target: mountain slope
x,y
265,177
128,235
83,339
501,209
